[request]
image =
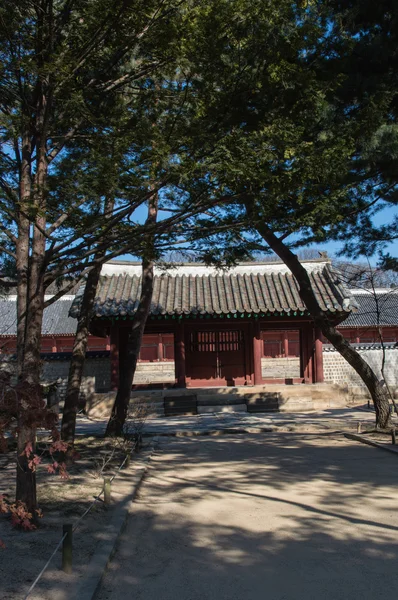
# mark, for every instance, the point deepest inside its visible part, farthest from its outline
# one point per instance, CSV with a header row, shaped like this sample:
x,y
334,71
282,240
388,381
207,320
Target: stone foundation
x,y
97,376
279,397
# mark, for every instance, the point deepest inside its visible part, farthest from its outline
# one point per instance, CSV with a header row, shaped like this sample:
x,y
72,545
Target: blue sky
x,y
381,218
384,216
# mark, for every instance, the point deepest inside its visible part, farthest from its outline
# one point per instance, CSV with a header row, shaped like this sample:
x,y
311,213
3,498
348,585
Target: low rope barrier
x,y
45,566
76,525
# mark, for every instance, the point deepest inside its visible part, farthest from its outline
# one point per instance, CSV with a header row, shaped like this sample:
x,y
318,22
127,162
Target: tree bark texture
x,y
30,252
130,341
22,249
80,346
78,357
376,388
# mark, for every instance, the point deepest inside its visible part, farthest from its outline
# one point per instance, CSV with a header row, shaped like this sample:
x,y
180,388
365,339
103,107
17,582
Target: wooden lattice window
x,y
216,341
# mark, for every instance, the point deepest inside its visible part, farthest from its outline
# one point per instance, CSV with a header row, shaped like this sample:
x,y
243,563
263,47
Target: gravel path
x,y
336,418
283,516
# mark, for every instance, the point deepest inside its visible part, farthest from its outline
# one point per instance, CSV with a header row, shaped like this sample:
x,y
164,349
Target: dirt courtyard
x,y
278,516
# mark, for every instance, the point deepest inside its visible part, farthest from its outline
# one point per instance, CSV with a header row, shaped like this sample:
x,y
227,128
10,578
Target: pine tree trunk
x,y
25,477
375,387
22,251
78,357
130,345
130,341
30,302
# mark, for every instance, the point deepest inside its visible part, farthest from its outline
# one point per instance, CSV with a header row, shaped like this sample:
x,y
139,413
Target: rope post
x,y
393,437
368,403
67,549
359,427
107,490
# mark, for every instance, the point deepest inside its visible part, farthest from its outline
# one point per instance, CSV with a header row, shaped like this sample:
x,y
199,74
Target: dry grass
x,y
62,501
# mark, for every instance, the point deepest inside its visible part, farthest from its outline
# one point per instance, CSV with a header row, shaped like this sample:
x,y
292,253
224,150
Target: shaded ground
x,y
62,501
283,516
342,419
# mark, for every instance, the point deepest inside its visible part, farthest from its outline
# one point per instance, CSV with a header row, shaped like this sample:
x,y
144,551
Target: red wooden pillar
x,y
114,357
179,356
257,353
285,344
306,352
160,347
319,378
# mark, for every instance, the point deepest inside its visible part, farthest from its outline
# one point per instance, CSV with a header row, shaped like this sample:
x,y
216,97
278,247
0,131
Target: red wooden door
x,y
216,358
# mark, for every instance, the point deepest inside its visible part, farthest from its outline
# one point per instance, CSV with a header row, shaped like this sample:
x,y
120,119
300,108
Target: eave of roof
x,y
255,289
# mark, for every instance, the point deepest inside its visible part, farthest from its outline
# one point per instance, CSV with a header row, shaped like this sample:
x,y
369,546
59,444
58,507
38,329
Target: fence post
x,y
359,427
107,490
393,438
67,549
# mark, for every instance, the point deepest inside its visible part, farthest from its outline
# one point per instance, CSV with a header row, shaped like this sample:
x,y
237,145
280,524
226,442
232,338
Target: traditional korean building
x,y
375,319
58,328
242,327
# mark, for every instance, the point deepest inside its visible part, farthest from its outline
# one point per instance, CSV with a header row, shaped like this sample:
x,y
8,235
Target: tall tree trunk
x,y
32,295
376,388
25,477
22,249
78,357
130,344
130,347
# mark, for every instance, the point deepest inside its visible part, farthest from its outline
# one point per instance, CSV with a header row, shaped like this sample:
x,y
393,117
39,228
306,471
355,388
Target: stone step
x,y
180,405
272,403
261,408
262,397
217,408
262,403
219,400
180,412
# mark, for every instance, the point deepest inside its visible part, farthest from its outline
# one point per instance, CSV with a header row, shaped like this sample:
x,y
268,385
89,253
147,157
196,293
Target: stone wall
x,y
96,375
280,368
155,372
337,370
97,372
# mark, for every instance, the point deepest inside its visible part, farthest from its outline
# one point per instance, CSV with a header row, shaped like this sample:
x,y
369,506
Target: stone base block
x,y
232,408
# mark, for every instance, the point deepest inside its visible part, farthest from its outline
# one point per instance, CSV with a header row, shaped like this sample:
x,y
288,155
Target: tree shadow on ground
x,y
279,516
62,502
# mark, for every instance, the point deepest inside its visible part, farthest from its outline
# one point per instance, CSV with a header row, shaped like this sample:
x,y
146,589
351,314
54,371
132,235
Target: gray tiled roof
x,y
56,319
180,291
384,303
